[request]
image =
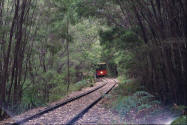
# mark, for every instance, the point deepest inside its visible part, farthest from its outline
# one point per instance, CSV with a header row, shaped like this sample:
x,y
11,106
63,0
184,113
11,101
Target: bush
x,y
81,84
138,101
128,87
131,100
180,121
58,92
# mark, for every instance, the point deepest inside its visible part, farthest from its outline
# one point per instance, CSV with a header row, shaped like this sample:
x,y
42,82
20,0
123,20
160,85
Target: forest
x,y
49,48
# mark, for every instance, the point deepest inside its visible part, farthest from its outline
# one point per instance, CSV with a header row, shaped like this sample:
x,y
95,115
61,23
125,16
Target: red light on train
x,y
101,70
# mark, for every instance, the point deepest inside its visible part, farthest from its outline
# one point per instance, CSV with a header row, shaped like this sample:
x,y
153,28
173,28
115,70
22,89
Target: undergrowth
x,y
130,100
181,109
180,121
81,84
137,102
59,91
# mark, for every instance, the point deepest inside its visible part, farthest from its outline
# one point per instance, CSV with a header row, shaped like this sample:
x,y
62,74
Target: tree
x,y
16,23
161,25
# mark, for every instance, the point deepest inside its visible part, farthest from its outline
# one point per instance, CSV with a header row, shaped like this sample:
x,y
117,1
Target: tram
x,y
101,70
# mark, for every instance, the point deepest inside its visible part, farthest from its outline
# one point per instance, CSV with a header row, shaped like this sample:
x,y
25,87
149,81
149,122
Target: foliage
x,y
81,84
128,87
144,40
137,102
37,73
180,121
131,100
118,43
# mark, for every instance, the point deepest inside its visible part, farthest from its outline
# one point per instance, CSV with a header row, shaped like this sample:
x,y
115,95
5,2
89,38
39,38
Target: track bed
x,y
64,114
59,113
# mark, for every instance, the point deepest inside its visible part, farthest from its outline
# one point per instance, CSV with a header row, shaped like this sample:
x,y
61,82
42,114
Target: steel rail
x,y
85,110
57,106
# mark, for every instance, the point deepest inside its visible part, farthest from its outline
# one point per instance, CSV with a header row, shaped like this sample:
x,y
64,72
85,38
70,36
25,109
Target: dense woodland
x,y
50,47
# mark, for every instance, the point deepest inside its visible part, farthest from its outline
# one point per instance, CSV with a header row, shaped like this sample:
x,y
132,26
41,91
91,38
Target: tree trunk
x,y
68,62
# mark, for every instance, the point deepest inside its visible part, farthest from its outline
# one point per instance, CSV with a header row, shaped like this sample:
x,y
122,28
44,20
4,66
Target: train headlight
x,y
101,72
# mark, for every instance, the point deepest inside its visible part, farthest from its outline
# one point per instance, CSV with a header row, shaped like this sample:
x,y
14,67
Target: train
x,y
101,70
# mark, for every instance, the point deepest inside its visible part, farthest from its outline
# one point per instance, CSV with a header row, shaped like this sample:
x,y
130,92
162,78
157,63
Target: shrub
x,y
138,101
79,85
128,87
180,121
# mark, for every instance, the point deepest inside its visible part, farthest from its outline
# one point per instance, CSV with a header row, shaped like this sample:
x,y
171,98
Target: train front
x,y
101,70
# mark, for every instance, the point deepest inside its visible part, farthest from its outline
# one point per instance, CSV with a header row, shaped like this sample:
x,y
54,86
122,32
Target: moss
x,y
180,121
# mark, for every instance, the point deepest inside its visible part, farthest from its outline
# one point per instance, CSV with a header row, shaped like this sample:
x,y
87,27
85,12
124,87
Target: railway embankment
x,y
63,114
34,111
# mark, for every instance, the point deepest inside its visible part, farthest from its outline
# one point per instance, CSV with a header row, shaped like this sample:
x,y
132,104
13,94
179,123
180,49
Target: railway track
x,y
102,89
79,115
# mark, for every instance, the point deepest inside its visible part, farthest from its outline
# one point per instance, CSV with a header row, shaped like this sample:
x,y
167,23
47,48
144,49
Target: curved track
x,y
84,111
37,115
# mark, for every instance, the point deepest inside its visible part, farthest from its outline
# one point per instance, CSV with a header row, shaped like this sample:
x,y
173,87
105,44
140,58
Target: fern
x,y
138,101
142,93
155,102
144,106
